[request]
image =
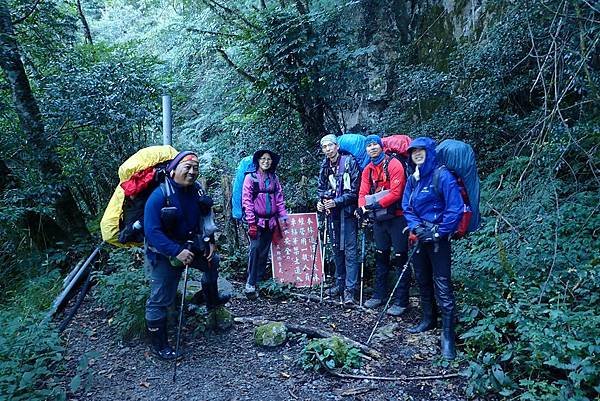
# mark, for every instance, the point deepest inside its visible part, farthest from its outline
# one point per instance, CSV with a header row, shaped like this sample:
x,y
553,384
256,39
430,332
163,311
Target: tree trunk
x,y
68,215
86,27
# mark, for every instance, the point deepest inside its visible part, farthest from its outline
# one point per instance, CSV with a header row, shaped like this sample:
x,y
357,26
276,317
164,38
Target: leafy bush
x,y
124,292
531,287
274,289
30,357
329,353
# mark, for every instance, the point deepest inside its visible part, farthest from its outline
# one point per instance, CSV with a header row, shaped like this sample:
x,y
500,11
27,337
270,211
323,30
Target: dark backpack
x,y
459,159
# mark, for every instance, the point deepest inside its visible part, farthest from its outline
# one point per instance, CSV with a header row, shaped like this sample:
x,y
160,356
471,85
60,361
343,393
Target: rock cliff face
x,y
406,33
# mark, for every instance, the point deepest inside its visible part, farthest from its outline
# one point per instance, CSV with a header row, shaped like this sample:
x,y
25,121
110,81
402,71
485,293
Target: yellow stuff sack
x,y
113,215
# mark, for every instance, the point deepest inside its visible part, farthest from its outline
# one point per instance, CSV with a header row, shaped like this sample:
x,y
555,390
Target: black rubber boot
x,y
448,346
157,331
429,317
211,291
199,298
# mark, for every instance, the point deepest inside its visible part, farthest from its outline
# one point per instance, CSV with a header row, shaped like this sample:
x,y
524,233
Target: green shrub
x,y
274,289
530,289
124,292
30,357
36,294
329,353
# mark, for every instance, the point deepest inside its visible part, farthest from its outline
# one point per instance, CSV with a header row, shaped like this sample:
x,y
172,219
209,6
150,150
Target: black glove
x,y
205,203
359,213
373,206
425,234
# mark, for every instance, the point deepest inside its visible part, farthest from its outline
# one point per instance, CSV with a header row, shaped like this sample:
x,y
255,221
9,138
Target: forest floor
x,y
227,365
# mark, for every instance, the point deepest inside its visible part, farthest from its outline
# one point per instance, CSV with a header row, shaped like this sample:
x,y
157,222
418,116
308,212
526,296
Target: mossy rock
x,y
219,318
270,334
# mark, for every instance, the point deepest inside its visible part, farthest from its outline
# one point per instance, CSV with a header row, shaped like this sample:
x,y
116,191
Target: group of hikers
x,y
421,210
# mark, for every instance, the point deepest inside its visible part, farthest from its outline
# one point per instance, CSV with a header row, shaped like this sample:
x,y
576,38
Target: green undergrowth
x,y
530,287
329,353
124,291
31,351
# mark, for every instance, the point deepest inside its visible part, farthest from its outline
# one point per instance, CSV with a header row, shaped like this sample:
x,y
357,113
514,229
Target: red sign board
x,y
298,251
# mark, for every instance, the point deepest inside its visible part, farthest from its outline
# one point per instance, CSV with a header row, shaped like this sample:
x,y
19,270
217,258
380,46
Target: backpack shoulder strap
x,y
435,182
167,191
255,185
386,163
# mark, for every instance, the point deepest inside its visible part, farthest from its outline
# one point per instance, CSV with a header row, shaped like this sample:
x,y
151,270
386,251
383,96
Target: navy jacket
x,y
421,202
171,243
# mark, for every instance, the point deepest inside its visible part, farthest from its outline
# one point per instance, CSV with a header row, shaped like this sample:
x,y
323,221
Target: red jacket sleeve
x,y
397,183
365,185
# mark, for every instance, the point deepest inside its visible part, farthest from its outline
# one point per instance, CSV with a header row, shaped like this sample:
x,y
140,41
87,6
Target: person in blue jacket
x,y
177,235
433,218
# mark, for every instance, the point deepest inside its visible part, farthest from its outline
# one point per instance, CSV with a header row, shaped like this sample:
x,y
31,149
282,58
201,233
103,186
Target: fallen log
x,y
313,332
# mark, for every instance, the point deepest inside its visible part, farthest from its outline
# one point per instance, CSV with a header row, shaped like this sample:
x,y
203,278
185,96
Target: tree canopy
x,y
80,92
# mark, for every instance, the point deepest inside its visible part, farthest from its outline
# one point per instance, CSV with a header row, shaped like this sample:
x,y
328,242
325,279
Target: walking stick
x,y
312,271
362,269
185,280
392,294
323,250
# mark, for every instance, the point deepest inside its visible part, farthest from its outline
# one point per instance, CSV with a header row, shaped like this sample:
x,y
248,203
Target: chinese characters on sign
x,y
292,258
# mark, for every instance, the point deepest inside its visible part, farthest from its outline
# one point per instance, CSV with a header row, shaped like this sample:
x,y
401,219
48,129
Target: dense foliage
x,y
517,80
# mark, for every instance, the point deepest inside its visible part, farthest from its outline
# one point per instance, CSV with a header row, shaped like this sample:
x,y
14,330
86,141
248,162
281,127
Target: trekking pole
x,y
323,252
312,270
185,280
392,294
362,269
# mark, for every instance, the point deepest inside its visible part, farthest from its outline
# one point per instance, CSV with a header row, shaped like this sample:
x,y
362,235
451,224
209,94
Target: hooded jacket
x,y
420,201
344,198
266,206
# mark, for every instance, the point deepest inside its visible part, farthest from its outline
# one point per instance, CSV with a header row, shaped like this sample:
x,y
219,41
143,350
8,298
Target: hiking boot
x,y
447,337
333,292
349,297
250,291
429,318
396,310
157,331
373,303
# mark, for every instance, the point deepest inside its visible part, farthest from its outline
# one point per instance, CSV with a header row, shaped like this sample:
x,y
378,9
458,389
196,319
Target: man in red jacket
x,y
384,178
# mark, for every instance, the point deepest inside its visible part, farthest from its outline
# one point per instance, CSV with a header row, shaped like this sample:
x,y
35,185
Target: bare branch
x,y
229,35
28,14
236,67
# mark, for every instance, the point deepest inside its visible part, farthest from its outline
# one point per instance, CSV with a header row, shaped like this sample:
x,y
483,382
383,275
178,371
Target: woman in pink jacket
x,y
264,209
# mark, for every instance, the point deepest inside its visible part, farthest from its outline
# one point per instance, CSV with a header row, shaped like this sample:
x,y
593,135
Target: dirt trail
x,y
228,366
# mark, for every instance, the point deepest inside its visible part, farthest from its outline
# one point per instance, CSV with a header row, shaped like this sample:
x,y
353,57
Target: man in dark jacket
x,y
177,234
338,190
384,177
433,215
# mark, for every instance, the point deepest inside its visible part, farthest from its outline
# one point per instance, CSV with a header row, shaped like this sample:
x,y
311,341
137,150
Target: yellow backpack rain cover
x,y
141,160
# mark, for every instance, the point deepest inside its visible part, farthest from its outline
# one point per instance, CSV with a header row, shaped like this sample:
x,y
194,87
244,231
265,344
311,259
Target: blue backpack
x,y
459,158
354,144
244,167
